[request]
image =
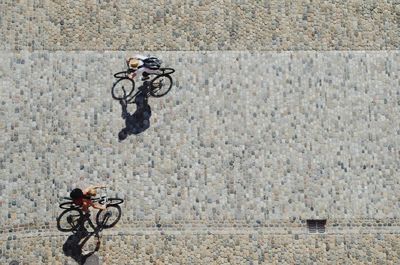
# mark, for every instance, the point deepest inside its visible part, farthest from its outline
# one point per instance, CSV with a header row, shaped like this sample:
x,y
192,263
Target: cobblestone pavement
x,y
221,248
200,25
245,142
245,148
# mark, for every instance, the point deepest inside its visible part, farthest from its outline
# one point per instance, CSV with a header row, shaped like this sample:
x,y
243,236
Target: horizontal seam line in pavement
x,y
209,231
368,223
160,50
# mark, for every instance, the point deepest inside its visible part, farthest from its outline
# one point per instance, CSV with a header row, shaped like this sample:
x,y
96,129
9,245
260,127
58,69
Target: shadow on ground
x,y
76,242
139,121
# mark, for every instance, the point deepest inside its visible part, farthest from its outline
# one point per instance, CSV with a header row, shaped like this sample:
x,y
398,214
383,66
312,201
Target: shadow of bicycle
x,y
78,245
139,121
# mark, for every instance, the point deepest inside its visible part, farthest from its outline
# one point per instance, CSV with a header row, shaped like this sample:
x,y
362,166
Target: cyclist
x,y
143,65
83,198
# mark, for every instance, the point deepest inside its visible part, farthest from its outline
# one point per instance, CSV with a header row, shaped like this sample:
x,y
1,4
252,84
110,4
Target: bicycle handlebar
x,y
124,74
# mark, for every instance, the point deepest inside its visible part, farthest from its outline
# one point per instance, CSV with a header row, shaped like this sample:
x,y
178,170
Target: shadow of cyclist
x,y
73,247
139,121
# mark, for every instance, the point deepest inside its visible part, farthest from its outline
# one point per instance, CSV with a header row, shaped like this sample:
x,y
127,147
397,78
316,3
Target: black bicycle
x,y
159,86
72,217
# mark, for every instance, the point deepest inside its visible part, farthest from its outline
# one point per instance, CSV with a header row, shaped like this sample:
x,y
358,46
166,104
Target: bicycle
x,y
72,217
162,80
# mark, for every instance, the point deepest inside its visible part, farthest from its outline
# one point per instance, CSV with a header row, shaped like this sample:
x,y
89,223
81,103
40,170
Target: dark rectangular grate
x,y
316,226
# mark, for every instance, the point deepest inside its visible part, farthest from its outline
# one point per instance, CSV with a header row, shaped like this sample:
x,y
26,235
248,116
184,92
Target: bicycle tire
x,y
167,71
70,225
154,92
111,201
68,205
116,91
122,74
102,219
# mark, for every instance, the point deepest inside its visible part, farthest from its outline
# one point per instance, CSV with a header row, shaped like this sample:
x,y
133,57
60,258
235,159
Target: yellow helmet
x,y
133,63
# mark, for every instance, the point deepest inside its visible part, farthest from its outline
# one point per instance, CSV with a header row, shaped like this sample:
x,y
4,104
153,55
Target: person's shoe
x,y
144,78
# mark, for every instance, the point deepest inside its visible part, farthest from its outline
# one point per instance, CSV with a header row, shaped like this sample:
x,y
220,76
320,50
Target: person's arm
x,y
132,75
89,203
99,186
93,187
98,206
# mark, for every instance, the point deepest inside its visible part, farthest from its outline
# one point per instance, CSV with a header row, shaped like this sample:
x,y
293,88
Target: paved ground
x,y
200,25
245,148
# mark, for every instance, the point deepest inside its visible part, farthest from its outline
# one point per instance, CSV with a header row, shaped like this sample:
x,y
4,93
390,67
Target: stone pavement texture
x,y
280,112
245,143
199,25
226,249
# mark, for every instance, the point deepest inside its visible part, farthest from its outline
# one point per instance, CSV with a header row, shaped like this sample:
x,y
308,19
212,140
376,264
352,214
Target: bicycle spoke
x,y
73,219
109,217
123,88
69,220
161,85
156,90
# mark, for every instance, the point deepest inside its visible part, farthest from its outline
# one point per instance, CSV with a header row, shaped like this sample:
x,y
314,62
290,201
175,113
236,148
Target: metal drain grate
x,y
316,226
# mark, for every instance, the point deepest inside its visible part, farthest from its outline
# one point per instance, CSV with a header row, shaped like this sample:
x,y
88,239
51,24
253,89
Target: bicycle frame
x,y
72,212
104,196
146,88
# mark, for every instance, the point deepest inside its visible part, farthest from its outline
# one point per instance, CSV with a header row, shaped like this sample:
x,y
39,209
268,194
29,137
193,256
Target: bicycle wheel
x,y
109,217
123,88
122,74
69,220
160,85
68,205
167,71
111,201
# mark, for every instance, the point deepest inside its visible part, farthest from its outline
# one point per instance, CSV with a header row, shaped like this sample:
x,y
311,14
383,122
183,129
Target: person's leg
x,y
90,223
148,71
